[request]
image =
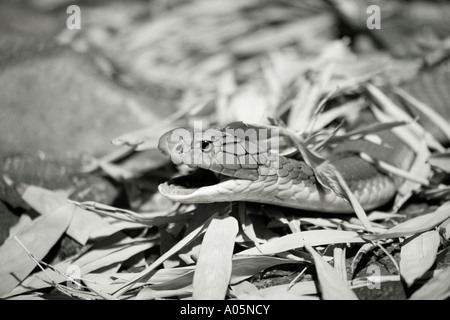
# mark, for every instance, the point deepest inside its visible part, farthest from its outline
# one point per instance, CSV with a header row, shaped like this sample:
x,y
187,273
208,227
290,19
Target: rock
x,y
55,100
22,19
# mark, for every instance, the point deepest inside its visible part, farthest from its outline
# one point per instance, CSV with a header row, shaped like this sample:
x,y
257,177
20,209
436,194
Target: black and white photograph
x,y
243,153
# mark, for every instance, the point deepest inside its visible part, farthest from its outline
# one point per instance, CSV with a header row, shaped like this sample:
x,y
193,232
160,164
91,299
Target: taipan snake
x,y
231,168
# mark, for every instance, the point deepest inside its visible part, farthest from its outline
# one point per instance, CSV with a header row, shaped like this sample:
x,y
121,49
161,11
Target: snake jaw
x,y
222,189
213,180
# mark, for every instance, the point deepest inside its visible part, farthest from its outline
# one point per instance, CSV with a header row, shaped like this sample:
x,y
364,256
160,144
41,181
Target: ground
x,y
82,111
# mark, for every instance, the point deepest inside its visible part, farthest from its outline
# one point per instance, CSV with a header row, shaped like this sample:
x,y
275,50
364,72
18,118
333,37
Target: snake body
x,y
245,173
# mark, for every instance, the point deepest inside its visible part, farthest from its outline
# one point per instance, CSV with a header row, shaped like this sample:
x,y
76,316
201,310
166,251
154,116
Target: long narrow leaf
x,y
213,271
418,255
109,251
436,288
298,240
331,284
186,240
39,237
415,225
435,117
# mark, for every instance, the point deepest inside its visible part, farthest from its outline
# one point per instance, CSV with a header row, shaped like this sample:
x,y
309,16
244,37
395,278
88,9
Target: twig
x,y
56,285
297,278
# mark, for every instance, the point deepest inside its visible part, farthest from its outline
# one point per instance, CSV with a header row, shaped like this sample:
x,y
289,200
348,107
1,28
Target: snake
x,y
241,162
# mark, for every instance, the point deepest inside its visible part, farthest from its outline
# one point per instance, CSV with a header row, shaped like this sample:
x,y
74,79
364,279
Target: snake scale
x,y
231,168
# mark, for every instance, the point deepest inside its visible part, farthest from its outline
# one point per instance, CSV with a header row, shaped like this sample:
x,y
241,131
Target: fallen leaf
x,y
213,271
38,238
299,239
361,251
243,288
440,160
339,261
104,253
246,267
242,268
23,223
181,244
434,116
85,225
418,255
444,227
43,200
416,225
437,288
151,294
331,284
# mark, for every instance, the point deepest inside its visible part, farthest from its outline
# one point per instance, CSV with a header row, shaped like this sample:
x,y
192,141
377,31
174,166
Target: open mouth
x,y
187,184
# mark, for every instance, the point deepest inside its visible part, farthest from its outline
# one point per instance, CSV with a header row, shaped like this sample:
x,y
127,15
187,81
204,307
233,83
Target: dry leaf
x,y
299,239
85,225
176,283
435,117
247,226
239,102
444,228
243,288
100,282
414,226
43,200
331,284
346,109
441,161
271,38
214,265
151,294
182,278
164,275
111,250
23,223
339,261
146,138
418,255
357,207
246,267
38,238
437,288
361,251
185,241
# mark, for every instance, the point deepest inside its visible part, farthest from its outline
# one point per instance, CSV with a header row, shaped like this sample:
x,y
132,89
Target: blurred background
x,y
73,101
135,63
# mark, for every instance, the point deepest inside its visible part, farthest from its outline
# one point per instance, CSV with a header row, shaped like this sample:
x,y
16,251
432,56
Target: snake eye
x,y
207,146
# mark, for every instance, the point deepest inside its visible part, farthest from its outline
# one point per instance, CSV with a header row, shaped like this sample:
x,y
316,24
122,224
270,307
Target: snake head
x,y
227,151
236,153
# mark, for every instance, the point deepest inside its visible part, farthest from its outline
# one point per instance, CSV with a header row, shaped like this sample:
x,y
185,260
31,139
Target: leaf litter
x,y
228,61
